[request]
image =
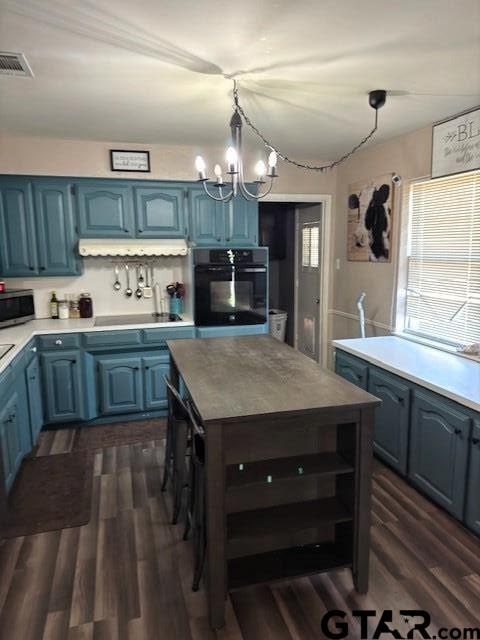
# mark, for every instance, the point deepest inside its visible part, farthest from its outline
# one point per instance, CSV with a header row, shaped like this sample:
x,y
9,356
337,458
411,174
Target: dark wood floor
x,y
127,573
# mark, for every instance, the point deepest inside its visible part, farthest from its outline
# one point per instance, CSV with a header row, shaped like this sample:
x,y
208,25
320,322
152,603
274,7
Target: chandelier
x,y
265,172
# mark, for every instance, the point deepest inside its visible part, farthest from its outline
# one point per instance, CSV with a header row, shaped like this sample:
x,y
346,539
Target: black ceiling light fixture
x,y
265,173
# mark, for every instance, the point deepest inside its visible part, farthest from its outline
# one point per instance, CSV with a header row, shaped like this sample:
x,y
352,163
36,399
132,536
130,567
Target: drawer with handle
x,y
58,341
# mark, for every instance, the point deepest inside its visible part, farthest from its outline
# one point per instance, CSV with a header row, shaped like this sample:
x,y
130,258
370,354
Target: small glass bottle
x,y
54,306
63,310
74,307
86,305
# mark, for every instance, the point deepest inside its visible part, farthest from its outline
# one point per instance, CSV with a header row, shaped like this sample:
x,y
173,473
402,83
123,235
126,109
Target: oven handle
x,y
251,269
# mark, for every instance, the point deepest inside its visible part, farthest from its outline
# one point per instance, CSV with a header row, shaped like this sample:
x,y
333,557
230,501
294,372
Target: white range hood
x,y
132,247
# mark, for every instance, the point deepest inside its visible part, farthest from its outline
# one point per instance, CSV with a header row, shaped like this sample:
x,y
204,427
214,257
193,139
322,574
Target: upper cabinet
x,y
105,210
56,234
242,223
37,228
18,247
216,223
160,212
206,216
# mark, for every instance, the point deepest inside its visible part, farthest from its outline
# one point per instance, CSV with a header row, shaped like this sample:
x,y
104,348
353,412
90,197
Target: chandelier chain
x,y
238,107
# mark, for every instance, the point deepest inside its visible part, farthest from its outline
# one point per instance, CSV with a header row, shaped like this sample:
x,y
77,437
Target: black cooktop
x,y
136,318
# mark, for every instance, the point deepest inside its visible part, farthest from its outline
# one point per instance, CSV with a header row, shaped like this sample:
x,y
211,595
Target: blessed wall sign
x,y
456,144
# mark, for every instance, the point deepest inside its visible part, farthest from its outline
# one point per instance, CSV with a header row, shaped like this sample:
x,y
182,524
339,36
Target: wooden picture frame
x,y
130,160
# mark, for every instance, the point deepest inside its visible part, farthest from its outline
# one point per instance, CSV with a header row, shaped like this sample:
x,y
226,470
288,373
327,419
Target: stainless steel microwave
x,y
16,307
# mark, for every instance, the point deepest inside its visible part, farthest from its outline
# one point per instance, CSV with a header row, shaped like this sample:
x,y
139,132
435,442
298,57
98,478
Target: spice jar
x,y
63,310
86,305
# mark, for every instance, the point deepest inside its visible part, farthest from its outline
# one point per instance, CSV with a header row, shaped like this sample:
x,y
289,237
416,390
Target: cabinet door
x,y
207,220
34,394
473,494
391,418
56,235
155,367
438,450
160,212
11,442
105,211
18,250
351,369
62,383
120,385
241,223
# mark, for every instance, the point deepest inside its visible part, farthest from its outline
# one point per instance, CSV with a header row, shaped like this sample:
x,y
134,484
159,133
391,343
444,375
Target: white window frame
x,y
401,280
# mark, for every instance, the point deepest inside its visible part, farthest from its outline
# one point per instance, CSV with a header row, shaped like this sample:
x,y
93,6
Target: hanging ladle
x,y
128,290
116,285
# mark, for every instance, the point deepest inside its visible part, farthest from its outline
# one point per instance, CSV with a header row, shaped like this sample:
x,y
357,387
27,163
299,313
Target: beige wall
x,y
409,156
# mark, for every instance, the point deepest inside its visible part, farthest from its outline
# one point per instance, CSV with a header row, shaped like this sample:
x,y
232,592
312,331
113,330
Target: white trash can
x,y
277,324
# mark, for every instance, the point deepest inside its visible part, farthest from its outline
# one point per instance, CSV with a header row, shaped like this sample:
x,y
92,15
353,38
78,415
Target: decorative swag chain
x,y
281,155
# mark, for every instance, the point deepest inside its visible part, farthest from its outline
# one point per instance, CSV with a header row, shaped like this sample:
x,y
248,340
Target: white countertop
x,y
21,334
445,373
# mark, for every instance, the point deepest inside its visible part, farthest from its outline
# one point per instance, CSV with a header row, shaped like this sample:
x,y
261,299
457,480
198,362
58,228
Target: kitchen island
x,y
288,463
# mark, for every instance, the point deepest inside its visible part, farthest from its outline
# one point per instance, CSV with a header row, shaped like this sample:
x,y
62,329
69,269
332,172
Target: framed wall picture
x,y
369,220
456,144
129,160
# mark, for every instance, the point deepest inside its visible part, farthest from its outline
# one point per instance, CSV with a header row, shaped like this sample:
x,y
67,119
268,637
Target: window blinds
x,y
443,284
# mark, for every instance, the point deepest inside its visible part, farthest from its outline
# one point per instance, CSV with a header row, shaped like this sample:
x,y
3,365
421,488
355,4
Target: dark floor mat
x,y
119,434
50,493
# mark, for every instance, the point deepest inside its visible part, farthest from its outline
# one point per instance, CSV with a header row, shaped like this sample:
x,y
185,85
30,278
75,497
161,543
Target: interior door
x,y
307,323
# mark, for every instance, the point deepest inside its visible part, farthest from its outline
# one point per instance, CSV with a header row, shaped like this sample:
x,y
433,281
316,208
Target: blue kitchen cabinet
x,y
18,248
155,367
62,385
105,210
241,228
439,444
207,219
120,384
34,396
390,440
351,369
472,513
10,441
56,229
160,212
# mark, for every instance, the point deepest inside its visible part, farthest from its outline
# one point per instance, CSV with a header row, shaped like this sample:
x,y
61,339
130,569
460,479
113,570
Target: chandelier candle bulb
x,y
218,172
260,171
232,160
200,167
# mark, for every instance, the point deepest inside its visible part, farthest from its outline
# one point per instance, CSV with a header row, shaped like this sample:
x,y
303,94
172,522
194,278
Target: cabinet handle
x,y
219,239
147,368
401,401
126,230
457,432
228,239
33,349
32,268
73,361
136,368
31,377
58,342
140,231
475,440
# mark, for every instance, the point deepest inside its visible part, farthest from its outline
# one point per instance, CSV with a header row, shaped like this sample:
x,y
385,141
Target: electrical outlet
x,y
337,264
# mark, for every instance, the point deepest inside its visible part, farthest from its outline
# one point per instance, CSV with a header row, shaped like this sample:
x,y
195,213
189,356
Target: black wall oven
x,y
230,286
16,307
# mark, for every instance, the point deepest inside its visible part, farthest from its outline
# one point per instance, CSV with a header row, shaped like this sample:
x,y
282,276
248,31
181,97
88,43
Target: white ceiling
x,y
153,70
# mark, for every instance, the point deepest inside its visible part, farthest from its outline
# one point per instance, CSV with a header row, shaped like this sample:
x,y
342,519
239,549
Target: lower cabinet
x,y
34,396
391,418
472,517
62,384
351,369
120,384
155,367
10,437
439,450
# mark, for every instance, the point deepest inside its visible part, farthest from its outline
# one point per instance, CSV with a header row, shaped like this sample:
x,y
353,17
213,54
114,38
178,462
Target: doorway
x,y
308,281
291,285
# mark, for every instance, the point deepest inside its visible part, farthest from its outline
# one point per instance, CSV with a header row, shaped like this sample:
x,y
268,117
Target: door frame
x,y
326,228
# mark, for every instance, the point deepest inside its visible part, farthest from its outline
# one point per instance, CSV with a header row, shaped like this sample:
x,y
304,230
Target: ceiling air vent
x,y
14,64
